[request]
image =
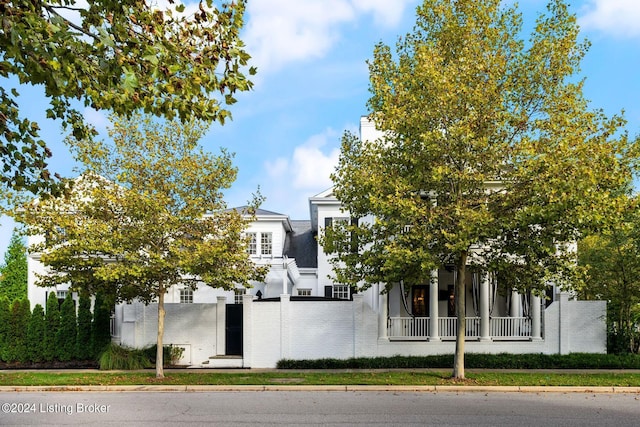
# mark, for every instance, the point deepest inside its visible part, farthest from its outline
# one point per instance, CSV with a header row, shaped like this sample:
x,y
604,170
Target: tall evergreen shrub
x,y
101,328
5,315
36,334
66,336
52,324
18,323
83,340
13,272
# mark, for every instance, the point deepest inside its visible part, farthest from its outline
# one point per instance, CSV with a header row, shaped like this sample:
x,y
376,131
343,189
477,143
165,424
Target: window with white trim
x,y
304,292
266,243
253,244
186,296
341,291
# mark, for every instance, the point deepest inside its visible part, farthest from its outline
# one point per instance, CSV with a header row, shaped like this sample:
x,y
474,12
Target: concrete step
x,y
218,362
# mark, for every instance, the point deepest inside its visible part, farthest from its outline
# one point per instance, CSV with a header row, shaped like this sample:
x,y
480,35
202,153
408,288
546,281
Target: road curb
x,y
328,388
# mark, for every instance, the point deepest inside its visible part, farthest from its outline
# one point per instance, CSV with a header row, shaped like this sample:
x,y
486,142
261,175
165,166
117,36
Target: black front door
x,y
233,332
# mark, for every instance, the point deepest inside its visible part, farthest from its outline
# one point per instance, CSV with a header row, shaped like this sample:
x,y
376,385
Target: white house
x,y
298,312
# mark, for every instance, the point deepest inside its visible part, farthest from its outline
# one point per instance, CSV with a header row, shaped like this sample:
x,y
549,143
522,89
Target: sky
x,y
312,85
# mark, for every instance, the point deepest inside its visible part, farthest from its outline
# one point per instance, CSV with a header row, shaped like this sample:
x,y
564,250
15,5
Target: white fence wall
x,y
285,329
190,326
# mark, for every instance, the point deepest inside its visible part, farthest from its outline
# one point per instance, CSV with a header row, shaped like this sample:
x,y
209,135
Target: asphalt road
x,y
319,408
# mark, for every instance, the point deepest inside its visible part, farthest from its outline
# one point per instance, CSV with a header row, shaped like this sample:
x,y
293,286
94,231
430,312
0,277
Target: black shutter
x,y
328,291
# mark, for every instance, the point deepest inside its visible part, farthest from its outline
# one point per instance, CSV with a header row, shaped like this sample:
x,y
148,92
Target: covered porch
x,y
427,312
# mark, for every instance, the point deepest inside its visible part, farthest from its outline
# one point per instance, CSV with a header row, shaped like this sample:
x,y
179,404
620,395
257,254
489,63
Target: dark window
x,y
420,301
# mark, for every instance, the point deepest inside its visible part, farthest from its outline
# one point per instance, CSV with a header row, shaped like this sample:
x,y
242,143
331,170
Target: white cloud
x,y
292,180
385,13
616,17
277,168
279,32
309,167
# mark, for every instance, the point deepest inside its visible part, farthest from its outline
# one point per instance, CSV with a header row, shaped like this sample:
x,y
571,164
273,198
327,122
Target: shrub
x,y
52,324
474,360
5,315
35,335
66,336
101,325
170,354
123,358
16,345
83,339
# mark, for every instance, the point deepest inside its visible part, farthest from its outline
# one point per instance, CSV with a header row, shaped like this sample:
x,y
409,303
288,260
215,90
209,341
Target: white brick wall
x,y
342,329
191,326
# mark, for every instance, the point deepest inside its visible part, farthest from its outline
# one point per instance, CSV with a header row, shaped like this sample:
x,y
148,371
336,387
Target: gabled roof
x,y
265,215
324,198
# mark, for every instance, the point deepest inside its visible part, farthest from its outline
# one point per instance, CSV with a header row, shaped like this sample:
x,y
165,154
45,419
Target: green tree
x,y
5,315
13,273
83,340
68,330
100,326
612,262
147,214
36,335
52,324
121,56
492,158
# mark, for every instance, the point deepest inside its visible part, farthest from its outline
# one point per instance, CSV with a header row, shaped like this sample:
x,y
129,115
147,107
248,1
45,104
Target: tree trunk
x,y
159,346
460,293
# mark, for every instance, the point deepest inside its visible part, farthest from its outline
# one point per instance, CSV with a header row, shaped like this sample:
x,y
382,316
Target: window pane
x,y
186,296
238,296
253,244
265,243
341,291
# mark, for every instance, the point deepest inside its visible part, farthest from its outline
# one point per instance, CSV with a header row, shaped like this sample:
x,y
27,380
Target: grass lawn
x,y
393,377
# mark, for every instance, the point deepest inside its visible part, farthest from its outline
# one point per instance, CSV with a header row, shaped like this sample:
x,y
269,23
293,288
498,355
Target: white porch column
x,y
485,320
535,318
383,313
516,307
221,325
434,286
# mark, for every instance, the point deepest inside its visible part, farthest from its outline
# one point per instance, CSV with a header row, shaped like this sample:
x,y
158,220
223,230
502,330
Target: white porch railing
x,y
449,325
510,328
417,328
409,328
